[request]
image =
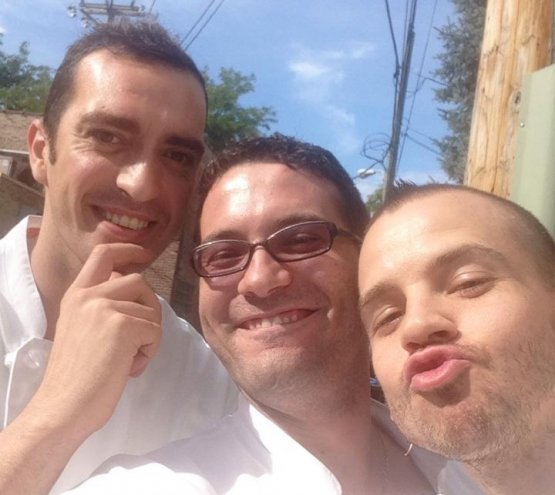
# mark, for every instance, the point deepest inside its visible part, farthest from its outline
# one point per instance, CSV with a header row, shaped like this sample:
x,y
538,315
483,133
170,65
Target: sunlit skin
x,y
289,333
462,329
127,145
307,305
117,178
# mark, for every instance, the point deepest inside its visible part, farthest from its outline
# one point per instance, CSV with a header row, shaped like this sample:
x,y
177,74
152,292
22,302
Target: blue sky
x,y
325,66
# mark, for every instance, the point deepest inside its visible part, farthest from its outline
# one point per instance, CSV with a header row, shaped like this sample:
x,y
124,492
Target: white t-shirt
x,y
248,454
184,389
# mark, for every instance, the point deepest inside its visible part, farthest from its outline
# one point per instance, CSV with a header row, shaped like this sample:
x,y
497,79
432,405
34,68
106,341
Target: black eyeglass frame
x,y
333,230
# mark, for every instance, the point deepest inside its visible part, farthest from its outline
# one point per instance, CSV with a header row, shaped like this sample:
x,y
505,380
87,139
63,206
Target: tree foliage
x,y
461,39
23,86
228,120
374,200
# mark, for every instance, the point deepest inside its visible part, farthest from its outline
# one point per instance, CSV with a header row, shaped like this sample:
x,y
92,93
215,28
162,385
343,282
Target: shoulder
x,y
183,466
141,475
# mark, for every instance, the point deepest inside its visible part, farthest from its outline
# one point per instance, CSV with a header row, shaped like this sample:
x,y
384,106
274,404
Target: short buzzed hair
x,y
532,234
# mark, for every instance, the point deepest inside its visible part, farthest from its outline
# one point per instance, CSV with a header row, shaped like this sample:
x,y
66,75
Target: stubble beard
x,y
493,421
468,431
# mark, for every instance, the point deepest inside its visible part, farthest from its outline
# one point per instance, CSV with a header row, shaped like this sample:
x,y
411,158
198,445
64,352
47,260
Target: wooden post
x,y
517,40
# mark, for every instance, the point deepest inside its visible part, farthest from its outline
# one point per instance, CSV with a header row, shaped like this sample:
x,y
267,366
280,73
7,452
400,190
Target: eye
x,y
105,137
471,285
223,256
301,238
387,320
183,159
297,241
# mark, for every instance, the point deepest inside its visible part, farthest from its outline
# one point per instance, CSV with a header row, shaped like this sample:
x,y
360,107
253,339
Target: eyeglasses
x,y
293,243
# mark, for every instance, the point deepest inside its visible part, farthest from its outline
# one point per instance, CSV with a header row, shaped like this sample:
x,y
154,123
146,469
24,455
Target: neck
x,y
522,468
338,430
53,276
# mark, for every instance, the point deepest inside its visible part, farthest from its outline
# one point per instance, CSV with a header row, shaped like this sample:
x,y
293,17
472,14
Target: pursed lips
x,y
434,367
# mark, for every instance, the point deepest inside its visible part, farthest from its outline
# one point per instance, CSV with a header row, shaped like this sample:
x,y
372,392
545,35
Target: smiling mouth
x,y
126,221
282,319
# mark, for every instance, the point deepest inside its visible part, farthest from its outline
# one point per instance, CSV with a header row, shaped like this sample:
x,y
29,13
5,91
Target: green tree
x,y
228,120
374,200
462,39
23,86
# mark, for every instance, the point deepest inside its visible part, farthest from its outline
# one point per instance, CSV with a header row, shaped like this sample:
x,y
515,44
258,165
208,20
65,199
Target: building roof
x,y
13,129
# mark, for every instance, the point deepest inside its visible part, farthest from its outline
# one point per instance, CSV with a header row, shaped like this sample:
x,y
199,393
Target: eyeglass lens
x,y
292,243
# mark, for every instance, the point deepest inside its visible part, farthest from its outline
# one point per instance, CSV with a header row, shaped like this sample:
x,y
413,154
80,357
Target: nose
x,y
139,180
426,322
264,275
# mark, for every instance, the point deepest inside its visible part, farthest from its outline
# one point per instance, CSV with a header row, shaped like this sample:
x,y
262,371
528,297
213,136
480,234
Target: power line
x,y
420,143
400,101
420,133
382,146
392,34
197,21
205,24
418,78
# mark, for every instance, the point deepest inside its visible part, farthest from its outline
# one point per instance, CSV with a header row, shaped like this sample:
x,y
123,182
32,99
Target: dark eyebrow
x,y
470,251
195,146
378,291
97,117
228,234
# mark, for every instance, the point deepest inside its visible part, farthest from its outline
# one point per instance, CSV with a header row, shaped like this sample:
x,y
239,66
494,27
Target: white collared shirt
x,y
184,389
248,454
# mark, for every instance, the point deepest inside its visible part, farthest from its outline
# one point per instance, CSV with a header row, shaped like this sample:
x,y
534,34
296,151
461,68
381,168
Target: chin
x,y
465,431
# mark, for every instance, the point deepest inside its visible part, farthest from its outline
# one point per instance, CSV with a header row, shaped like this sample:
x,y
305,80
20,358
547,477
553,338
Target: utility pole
x,y
401,96
517,41
91,10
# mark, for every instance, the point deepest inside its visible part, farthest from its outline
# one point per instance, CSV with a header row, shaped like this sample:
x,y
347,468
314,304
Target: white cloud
x,y
318,77
2,30
309,70
340,115
354,51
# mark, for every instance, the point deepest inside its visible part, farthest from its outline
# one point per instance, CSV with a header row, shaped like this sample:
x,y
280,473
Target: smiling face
x,y
462,326
278,324
126,152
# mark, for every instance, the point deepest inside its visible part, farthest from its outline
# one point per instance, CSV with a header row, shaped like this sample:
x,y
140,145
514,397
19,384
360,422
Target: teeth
x,y
276,320
125,221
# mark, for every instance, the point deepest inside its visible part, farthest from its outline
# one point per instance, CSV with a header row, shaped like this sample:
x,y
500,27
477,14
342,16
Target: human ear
x,y
39,151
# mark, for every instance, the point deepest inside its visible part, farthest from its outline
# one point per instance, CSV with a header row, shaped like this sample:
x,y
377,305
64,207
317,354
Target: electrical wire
x,y
417,86
212,2
205,24
392,33
421,144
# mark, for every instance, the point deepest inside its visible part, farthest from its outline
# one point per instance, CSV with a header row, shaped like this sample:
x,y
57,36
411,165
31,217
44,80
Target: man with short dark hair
x,y
458,298
117,153
278,243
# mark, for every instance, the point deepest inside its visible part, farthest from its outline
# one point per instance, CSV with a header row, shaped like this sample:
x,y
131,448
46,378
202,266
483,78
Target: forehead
x,y
264,196
122,75
426,227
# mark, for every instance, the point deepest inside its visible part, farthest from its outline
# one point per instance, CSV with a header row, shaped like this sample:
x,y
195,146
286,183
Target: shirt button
x,y
36,358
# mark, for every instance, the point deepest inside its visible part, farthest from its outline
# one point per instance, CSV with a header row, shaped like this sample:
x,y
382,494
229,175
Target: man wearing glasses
x,y
279,234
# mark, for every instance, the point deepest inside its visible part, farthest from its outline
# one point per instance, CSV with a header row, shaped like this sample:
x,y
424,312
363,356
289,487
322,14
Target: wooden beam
x,y
517,40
